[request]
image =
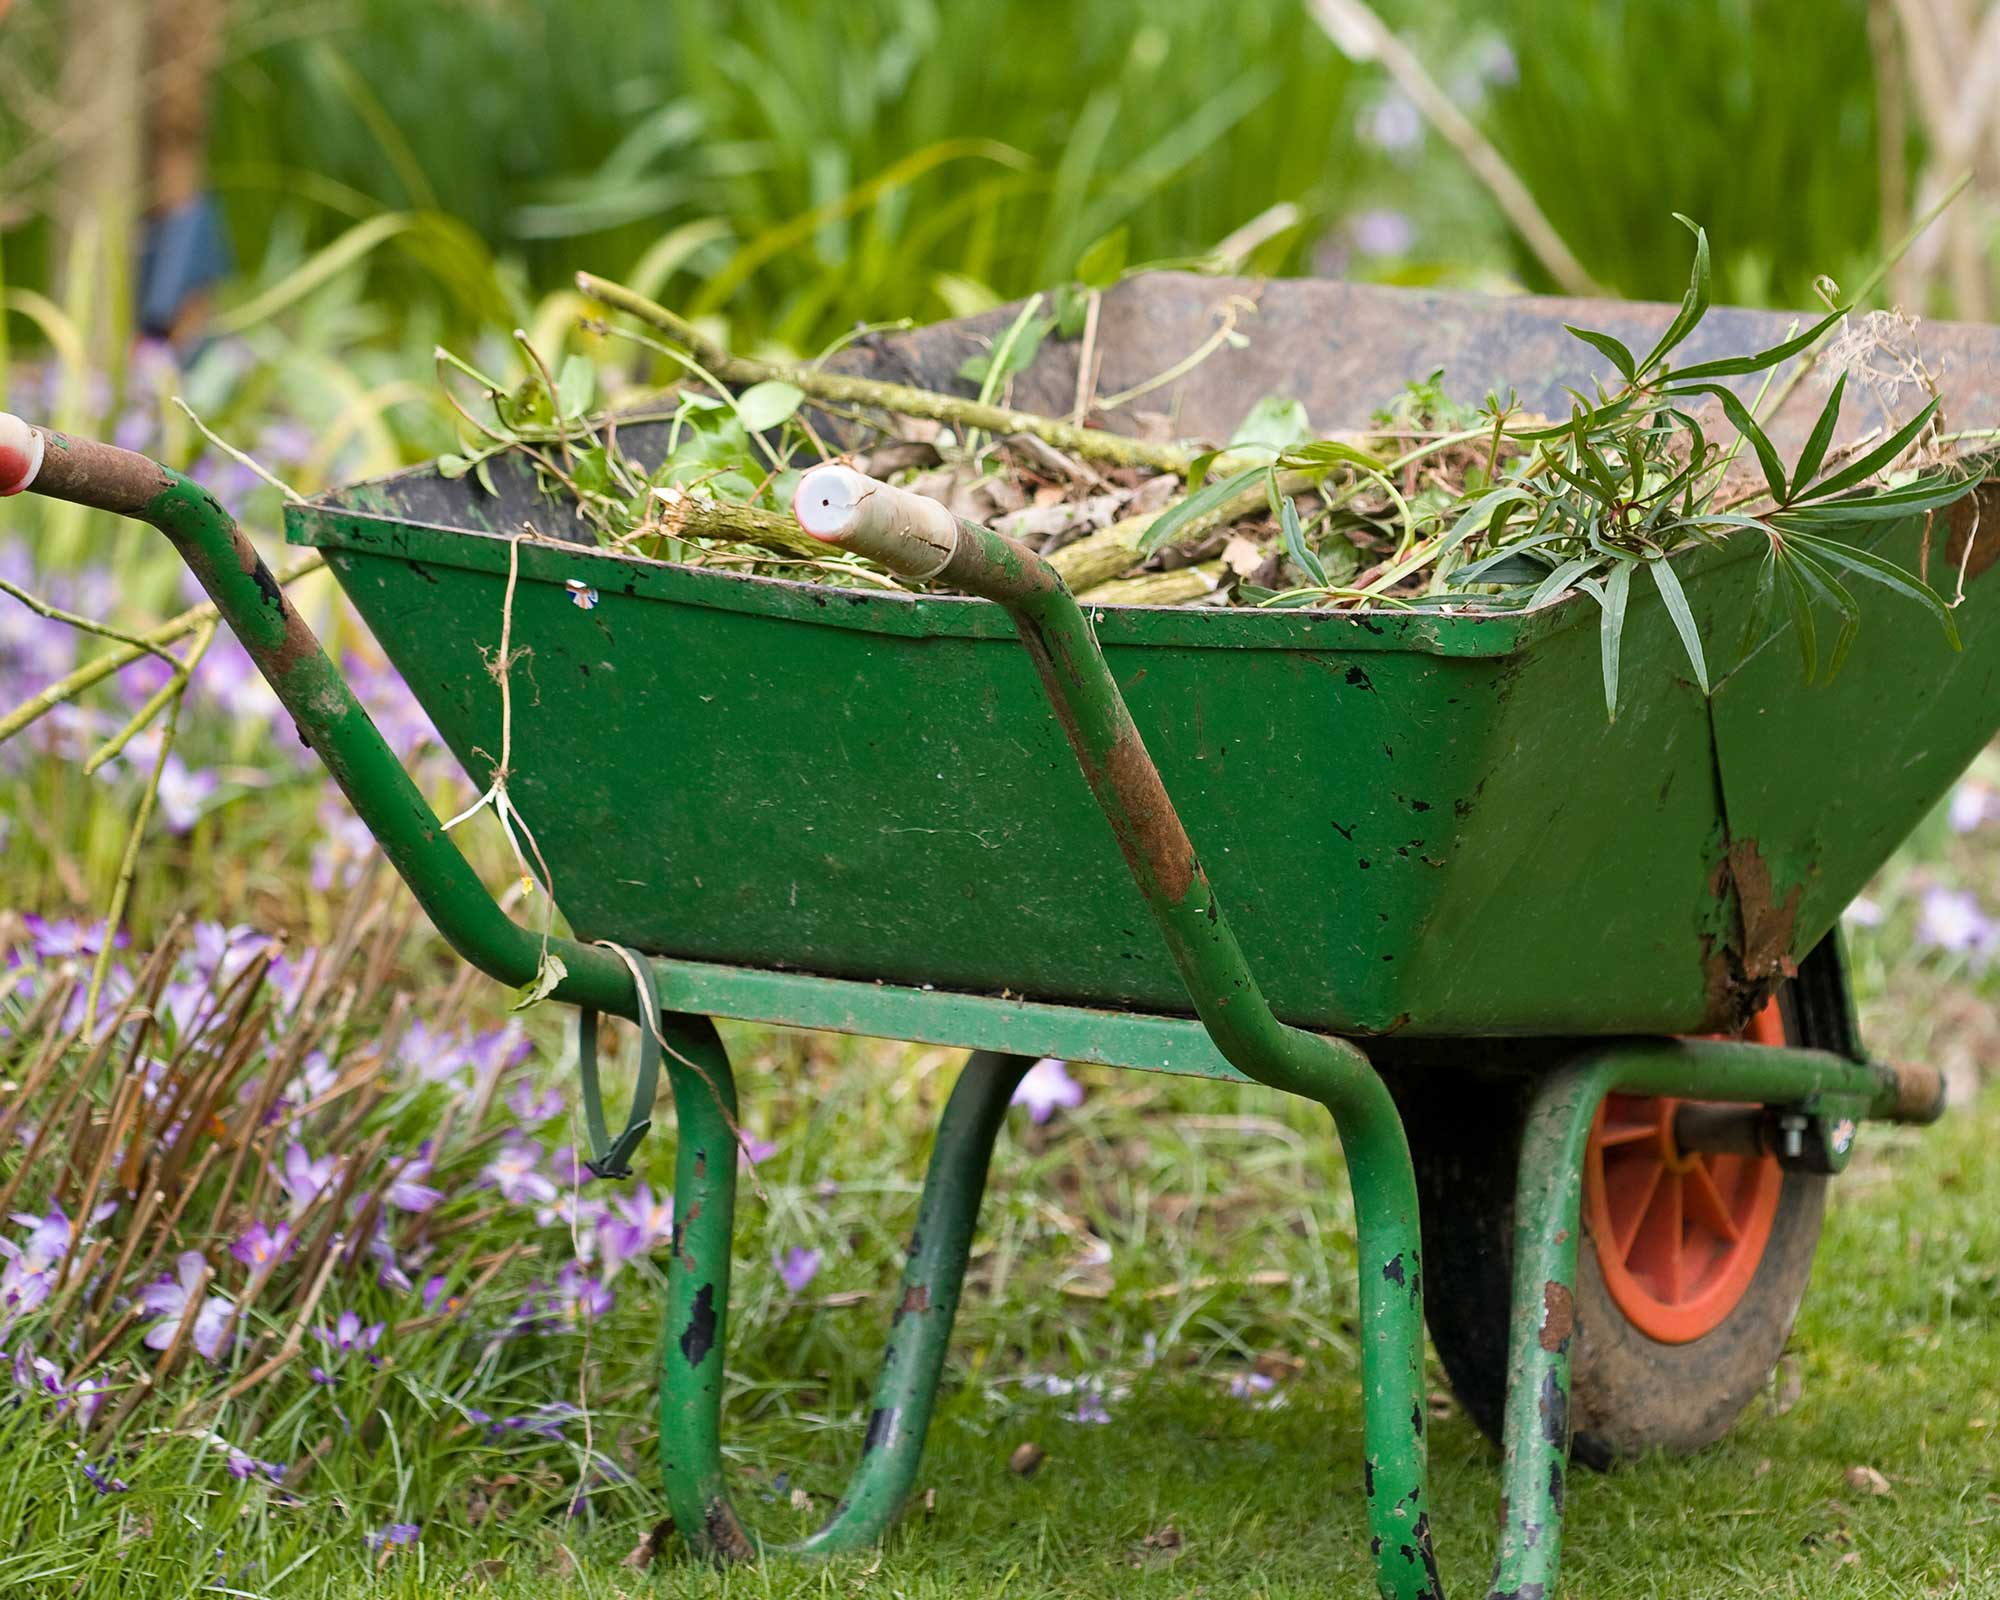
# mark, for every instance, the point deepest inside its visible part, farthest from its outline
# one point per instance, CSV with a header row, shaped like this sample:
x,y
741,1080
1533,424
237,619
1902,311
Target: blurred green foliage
x,y
800,168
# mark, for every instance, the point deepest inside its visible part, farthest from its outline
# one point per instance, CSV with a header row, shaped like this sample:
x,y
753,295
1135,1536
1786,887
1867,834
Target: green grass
x,y
1891,1368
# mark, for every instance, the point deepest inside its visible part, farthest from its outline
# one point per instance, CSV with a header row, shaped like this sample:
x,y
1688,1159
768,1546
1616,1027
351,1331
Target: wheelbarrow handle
x,y
330,720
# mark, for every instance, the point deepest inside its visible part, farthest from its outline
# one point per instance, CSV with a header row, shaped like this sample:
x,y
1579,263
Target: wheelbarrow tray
x,y
1421,823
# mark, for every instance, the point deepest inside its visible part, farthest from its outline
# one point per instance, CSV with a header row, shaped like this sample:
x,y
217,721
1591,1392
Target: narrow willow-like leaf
x,y
1328,453
1668,582
1761,598
1820,437
1743,366
1204,500
1568,576
1837,595
1611,631
1611,349
1798,602
1878,569
1694,305
1758,440
1296,547
1865,467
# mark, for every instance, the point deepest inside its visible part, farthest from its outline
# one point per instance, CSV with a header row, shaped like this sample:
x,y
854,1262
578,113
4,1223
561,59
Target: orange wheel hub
x,y
1679,1235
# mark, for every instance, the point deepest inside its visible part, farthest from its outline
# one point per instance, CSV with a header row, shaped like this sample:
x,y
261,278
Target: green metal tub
x,y
1420,823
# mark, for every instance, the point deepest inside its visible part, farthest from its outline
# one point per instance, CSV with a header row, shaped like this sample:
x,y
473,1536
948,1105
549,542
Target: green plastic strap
x,y
612,1158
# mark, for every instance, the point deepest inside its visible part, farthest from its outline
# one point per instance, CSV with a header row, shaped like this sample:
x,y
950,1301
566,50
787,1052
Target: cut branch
x,y
900,399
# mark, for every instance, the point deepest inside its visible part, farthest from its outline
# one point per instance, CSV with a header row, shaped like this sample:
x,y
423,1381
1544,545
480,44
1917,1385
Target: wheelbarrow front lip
x,y
333,522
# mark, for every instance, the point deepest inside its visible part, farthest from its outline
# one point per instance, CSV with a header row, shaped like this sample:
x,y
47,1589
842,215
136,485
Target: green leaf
x,y
1760,603
1884,505
1674,598
765,405
1798,602
551,972
1161,530
990,369
1593,417
1611,349
576,386
1694,305
1759,441
1276,421
1328,453
1741,366
1565,578
1103,261
453,466
1303,557
1834,593
1878,569
1611,631
1072,310
1865,467
1508,566
1820,437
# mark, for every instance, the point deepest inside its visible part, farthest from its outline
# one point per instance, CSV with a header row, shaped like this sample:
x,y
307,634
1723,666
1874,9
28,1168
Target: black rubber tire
x,y
1629,1393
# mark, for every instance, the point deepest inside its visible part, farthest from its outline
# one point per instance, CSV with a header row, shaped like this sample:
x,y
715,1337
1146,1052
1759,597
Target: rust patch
x,y
1151,823
726,1539
1768,922
1558,1316
1975,525
917,1298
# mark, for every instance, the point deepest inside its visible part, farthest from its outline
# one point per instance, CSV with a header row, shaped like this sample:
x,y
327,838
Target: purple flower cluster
x,y
347,1337
168,1299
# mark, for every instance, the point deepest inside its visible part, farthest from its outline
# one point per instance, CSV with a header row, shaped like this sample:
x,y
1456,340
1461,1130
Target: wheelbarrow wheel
x,y
1690,1271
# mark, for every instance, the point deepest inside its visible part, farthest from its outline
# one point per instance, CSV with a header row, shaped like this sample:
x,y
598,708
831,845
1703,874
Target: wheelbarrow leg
x,y
697,1319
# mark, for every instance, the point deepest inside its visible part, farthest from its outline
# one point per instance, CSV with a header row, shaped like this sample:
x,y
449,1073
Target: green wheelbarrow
x,y
1571,989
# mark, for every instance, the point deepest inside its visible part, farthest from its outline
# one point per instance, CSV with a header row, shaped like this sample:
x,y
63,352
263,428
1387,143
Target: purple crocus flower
x,y
168,1298
1046,1088
547,1421
261,1247
397,1533
304,1178
1863,912
407,1190
101,1478
1381,232
517,1173
754,1152
1972,802
436,1296
242,1465
343,849
635,1224
220,952
797,1267
1251,1385
345,1338
532,1107
184,793
1089,1408
581,1297
1393,124
1953,920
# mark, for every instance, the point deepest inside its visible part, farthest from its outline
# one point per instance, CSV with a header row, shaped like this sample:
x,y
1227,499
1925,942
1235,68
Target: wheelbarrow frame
x,y
1234,1035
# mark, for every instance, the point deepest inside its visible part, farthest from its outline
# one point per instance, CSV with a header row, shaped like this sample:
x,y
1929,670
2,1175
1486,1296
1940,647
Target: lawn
x,y
1159,1303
